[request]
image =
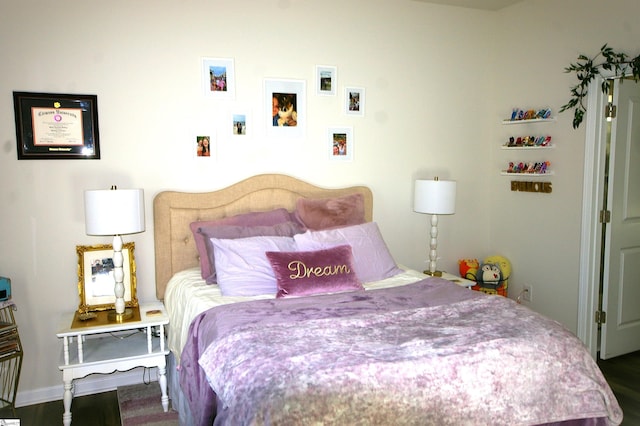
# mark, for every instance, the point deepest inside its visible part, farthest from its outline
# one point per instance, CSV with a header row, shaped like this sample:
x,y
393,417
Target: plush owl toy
x,y
469,268
489,275
495,270
503,263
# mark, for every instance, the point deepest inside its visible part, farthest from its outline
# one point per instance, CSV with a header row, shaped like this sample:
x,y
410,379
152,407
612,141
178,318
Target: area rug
x,y
140,405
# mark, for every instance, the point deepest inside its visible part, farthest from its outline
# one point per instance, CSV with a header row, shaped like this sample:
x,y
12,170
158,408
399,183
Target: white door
x,y
621,286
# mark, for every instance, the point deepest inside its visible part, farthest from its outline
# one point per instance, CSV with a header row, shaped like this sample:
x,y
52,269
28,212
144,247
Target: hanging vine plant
x,y
587,69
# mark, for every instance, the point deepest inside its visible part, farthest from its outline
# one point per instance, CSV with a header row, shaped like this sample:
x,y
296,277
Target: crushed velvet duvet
x,y
429,353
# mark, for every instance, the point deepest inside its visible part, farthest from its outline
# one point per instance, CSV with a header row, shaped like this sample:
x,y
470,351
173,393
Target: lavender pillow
x,y
284,229
326,213
247,219
372,260
304,273
242,266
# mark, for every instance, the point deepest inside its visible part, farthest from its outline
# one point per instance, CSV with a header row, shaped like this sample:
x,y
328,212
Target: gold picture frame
x,y
95,277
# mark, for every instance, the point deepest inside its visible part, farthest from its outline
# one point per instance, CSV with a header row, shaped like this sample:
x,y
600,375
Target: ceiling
x,y
475,4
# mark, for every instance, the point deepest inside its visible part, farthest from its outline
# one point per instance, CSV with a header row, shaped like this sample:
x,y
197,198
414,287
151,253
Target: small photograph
x,y
354,101
285,101
218,77
340,140
326,80
285,109
239,127
203,146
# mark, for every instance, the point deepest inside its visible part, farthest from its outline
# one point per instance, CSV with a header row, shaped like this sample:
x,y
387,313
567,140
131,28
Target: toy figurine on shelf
x,y
530,114
543,166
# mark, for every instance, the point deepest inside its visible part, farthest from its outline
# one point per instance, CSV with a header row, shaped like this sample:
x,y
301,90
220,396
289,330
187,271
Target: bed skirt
x,y
178,400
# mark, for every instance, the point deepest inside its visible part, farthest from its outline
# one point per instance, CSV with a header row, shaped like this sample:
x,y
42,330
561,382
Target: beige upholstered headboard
x,y
173,212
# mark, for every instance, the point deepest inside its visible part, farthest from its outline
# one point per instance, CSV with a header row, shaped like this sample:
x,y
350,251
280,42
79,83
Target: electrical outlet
x,y
527,294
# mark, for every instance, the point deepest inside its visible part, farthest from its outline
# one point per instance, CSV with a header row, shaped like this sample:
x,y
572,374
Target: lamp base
x,y
127,315
433,274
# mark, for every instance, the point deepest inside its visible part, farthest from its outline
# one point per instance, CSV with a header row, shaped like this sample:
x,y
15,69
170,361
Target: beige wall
x,y
438,81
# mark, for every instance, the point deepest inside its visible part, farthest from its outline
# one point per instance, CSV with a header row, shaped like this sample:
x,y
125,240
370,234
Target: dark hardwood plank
x,y
623,375
100,409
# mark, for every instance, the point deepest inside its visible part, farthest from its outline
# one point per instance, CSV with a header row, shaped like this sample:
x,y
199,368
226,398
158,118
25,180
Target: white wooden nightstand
x,y
463,282
97,346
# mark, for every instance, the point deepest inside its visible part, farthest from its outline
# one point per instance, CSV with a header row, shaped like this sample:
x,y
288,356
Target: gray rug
x,y
140,405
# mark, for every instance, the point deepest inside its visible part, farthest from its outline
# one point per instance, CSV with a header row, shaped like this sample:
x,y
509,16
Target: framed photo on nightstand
x,y
96,281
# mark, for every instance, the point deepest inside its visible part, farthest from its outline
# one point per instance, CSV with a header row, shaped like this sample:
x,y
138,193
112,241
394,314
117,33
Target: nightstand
x,y
463,282
98,346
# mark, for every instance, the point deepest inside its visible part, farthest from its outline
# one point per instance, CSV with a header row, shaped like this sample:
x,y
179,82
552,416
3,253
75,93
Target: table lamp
x,y
434,197
115,212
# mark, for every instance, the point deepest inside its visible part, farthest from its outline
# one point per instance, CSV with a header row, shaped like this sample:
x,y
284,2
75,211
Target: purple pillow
x,y
247,219
284,229
326,213
242,266
372,260
304,273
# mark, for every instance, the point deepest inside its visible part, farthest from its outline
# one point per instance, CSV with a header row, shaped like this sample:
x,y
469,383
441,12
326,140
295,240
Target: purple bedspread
x,y
426,353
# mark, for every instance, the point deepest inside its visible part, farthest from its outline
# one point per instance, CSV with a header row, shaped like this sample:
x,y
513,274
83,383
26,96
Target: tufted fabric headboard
x,y
173,212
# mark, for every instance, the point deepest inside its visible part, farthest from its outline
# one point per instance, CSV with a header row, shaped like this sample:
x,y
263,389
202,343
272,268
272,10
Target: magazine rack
x,y
10,356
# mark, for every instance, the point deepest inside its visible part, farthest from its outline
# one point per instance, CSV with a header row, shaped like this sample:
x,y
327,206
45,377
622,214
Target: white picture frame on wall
x,y
218,78
326,80
340,143
354,101
285,107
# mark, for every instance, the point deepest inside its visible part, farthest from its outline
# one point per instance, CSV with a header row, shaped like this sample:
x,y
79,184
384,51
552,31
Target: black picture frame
x,y
56,126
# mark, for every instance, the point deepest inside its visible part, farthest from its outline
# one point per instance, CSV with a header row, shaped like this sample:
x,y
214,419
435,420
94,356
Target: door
x,y
620,332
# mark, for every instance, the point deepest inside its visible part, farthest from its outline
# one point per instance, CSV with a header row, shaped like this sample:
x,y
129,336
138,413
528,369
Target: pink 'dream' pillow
x,y
304,273
326,213
284,229
372,260
242,266
246,219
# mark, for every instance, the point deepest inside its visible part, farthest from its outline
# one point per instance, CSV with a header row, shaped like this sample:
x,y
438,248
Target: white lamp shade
x,y
114,211
435,196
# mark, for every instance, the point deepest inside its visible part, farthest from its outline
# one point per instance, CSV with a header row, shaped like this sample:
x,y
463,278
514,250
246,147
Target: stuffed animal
x,y
468,268
495,271
489,275
503,263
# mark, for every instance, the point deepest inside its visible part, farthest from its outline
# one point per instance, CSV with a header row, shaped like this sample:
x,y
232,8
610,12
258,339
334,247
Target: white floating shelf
x,y
534,120
524,148
549,173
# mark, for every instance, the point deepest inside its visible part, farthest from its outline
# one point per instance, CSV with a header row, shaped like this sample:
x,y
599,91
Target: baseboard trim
x,y
95,383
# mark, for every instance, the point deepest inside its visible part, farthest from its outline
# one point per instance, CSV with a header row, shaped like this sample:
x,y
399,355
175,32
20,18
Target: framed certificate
x,y
56,126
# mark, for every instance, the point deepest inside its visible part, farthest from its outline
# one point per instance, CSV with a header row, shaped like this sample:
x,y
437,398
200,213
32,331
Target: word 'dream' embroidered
x,y
300,270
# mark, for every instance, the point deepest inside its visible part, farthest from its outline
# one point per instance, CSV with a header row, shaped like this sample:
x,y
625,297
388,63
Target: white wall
x,y
438,81
540,233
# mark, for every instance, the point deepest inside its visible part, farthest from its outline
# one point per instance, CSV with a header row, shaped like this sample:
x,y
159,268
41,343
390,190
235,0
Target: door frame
x,y
592,199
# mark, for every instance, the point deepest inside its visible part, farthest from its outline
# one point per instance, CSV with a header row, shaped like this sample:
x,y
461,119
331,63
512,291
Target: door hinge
x,y
610,111
605,216
601,317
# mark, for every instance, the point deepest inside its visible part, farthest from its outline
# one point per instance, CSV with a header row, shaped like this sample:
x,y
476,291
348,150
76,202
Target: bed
x,y
361,340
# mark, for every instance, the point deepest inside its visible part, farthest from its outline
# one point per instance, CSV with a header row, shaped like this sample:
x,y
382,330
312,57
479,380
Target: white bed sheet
x,y
187,295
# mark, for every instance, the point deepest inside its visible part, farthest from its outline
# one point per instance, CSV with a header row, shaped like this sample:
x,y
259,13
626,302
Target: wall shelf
x,y
524,148
533,120
505,173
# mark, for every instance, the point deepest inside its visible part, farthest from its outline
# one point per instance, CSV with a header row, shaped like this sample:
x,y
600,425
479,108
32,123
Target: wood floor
x,y
100,409
622,373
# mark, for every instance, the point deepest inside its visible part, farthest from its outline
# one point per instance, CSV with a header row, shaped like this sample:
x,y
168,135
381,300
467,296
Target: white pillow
x,y
242,266
372,260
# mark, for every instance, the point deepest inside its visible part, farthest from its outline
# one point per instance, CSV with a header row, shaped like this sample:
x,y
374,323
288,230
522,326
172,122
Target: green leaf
x,y
586,70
